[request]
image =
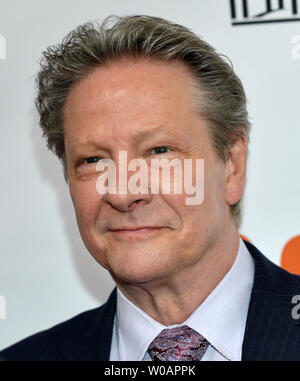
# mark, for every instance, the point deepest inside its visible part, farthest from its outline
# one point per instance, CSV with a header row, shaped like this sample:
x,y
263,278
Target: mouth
x,y
137,231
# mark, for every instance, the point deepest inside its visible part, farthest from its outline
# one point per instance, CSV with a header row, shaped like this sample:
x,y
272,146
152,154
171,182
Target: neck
x,y
173,300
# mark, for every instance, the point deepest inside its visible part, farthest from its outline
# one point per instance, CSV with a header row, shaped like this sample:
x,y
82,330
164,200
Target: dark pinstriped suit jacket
x,y
271,333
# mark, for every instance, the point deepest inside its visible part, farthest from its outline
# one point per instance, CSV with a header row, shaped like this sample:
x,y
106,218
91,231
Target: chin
x,y
137,271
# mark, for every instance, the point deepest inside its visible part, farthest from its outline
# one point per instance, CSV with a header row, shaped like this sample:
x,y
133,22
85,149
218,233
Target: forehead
x,y
125,97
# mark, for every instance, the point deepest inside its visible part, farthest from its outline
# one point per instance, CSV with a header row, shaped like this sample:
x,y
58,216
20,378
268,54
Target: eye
x,y
160,149
87,166
91,160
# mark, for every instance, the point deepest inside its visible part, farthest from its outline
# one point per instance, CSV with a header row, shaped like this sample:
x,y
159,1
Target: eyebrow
x,y
137,138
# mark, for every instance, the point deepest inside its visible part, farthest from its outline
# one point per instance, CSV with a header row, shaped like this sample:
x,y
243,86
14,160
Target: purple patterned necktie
x,y
178,344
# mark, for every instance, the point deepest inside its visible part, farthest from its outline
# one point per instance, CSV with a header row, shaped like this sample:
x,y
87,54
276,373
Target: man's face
x,y
137,107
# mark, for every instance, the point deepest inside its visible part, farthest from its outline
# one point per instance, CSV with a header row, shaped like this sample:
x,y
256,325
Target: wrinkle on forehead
x,y
117,100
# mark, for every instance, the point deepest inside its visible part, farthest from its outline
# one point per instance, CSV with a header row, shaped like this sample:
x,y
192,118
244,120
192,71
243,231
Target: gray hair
x,y
91,45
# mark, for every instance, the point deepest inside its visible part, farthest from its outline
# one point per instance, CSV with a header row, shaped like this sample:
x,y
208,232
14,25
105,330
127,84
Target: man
x,y
188,288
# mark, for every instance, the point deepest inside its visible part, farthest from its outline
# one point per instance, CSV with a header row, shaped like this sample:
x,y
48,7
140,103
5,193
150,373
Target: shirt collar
x,y
136,329
221,317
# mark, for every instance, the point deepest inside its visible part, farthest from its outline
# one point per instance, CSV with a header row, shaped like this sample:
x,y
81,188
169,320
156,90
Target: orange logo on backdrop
x,y
290,256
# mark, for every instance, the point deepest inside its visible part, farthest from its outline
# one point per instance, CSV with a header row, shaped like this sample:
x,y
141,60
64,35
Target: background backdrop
x,y
46,274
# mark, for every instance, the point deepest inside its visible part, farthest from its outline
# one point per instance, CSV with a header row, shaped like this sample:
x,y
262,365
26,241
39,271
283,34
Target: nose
x,y
128,195
127,202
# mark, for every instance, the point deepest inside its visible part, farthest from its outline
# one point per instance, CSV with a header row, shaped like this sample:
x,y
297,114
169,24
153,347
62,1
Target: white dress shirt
x,y
221,318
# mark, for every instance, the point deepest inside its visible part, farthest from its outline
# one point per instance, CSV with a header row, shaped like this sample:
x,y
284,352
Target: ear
x,y
235,171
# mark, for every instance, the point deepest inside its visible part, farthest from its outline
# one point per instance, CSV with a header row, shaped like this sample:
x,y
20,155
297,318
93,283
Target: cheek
x,y
188,219
214,204
86,202
206,215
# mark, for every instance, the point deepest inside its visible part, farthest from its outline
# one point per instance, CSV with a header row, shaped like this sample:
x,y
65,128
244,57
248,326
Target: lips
x,y
138,228
136,232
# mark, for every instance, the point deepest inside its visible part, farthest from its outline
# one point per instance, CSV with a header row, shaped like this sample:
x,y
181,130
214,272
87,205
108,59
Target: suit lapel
x,y
271,333
92,342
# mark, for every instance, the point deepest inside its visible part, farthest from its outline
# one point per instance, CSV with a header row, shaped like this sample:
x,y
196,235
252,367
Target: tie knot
x,y
178,344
